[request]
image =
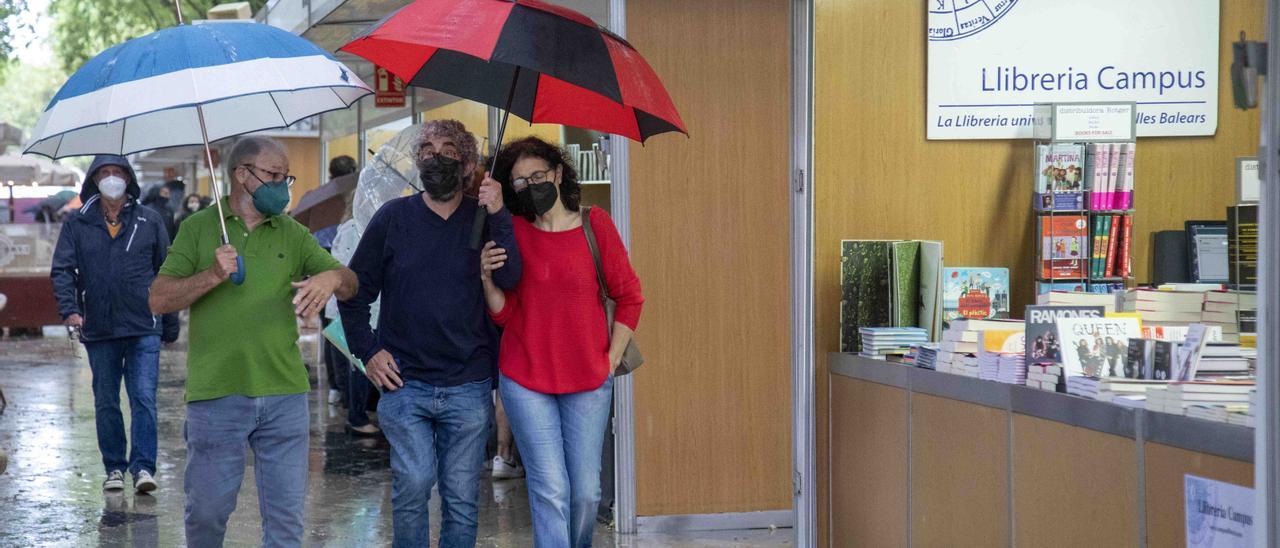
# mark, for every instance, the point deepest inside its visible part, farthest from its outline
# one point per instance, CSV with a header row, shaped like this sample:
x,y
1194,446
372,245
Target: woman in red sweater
x,y
557,356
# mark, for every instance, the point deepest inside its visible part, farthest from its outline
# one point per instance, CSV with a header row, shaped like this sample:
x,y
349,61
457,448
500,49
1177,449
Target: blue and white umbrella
x,y
190,85
147,93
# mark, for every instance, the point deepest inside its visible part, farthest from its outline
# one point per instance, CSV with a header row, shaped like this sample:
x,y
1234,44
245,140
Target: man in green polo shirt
x,y
246,383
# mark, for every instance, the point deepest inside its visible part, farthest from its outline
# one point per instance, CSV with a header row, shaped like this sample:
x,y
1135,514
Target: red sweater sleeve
x,y
509,307
624,285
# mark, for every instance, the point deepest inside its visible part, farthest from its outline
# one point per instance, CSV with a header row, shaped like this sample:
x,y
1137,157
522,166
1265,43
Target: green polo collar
x,y
273,220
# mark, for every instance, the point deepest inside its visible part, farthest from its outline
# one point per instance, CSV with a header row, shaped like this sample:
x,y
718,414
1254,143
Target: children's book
x,y
1064,249
1060,176
975,293
865,282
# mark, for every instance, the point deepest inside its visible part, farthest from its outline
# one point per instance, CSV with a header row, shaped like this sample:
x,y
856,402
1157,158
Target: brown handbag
x,y
631,357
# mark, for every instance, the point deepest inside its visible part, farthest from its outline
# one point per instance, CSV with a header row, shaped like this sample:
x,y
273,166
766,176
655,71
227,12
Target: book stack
x,y
1221,360
926,356
1114,389
988,366
1229,396
957,353
1077,299
1044,377
1165,308
1110,256
1011,369
1222,309
1085,387
1242,245
1109,167
881,342
1177,333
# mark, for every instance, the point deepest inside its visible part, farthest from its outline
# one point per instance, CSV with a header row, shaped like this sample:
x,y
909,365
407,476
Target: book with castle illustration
x,y
975,293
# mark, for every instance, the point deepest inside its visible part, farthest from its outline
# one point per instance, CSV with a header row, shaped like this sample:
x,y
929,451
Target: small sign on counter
x,y
1219,514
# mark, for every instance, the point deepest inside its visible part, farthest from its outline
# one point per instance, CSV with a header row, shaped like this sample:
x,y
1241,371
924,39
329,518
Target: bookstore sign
x,y
992,61
1218,514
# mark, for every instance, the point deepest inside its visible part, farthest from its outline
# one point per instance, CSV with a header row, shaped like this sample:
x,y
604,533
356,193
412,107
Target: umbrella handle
x,y
477,227
237,277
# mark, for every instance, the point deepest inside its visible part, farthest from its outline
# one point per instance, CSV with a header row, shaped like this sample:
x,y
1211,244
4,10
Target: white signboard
x,y
1248,180
1093,122
991,61
1219,515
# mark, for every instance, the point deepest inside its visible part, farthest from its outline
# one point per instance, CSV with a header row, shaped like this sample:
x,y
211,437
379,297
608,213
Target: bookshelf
x,y
1083,197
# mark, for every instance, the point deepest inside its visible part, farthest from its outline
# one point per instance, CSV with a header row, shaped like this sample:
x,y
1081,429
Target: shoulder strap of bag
x,y
595,250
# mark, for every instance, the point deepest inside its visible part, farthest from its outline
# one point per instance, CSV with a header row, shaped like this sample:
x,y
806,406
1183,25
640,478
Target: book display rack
x,y
1084,203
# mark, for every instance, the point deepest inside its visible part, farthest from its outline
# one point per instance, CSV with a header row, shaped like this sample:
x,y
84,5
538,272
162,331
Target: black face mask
x,y
543,197
440,177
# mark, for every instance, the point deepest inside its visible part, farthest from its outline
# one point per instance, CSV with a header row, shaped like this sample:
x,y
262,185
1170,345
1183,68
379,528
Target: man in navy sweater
x,y
435,350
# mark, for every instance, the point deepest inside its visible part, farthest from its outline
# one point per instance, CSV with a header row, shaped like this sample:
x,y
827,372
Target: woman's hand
x,y
492,258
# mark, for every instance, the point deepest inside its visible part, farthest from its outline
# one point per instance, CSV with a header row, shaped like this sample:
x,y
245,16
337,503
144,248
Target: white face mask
x,y
112,187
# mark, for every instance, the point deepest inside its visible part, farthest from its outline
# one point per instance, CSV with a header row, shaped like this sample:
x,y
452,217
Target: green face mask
x,y
271,198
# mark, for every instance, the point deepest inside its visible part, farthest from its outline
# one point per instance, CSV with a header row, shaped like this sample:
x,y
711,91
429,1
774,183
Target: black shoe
x,y
366,431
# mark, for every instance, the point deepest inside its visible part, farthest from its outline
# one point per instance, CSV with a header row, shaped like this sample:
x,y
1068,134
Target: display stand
x,y
1083,197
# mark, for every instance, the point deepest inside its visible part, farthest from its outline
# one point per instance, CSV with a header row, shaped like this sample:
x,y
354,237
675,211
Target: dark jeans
x,y
436,433
137,361
337,368
359,391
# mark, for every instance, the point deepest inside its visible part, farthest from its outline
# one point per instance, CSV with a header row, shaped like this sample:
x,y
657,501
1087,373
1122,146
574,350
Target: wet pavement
x,y
51,493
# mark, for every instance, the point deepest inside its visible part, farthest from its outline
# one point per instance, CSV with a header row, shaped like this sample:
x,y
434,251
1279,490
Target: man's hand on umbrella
x,y
224,262
382,370
74,320
491,194
492,258
314,292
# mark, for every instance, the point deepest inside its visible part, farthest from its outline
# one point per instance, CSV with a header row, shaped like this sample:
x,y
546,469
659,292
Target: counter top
x,y
1221,439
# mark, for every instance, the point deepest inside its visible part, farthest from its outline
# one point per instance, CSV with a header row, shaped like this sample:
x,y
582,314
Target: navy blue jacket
x,y
433,319
107,280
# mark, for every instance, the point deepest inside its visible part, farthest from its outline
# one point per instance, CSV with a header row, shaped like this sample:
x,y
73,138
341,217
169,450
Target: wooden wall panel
x,y
1166,470
304,163
869,447
1055,466
959,473
877,177
710,242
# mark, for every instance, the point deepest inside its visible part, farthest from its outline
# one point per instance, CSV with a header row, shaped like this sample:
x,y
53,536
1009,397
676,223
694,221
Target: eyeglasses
x,y
448,151
535,178
275,176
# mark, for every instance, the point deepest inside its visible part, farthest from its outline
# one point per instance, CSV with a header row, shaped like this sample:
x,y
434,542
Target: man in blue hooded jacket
x,y
107,255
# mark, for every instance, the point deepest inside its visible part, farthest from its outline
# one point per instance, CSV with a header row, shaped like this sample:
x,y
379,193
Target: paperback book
x,y
1043,345
1060,177
1064,247
1095,347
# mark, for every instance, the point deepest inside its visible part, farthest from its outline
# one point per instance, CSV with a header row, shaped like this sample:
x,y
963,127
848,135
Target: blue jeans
x,y
436,433
277,430
560,438
137,360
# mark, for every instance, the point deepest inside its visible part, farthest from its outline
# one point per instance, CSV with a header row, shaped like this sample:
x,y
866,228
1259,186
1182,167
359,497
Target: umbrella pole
x,y
477,228
238,277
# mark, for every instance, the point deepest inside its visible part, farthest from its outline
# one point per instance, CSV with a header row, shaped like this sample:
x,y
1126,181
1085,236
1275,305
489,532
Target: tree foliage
x,y
9,9
83,28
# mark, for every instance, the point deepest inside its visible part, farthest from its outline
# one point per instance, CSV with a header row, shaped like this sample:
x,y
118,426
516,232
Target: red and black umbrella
x,y
543,63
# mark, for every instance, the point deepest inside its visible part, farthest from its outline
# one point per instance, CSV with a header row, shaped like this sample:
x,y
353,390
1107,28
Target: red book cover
x,y
1126,264
1113,242
1063,246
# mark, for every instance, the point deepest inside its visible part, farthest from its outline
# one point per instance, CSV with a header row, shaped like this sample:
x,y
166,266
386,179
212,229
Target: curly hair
x,y
533,147
452,130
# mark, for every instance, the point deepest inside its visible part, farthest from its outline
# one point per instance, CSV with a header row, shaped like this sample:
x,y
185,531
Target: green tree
x,y
25,91
9,9
82,29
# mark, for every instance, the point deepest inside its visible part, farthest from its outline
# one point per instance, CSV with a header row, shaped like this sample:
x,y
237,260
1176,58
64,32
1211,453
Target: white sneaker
x,y
143,482
335,396
505,470
115,481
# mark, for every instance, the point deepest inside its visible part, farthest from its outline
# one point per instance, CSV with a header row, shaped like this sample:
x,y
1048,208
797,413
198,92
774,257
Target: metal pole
x,y
1267,420
178,5
804,478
